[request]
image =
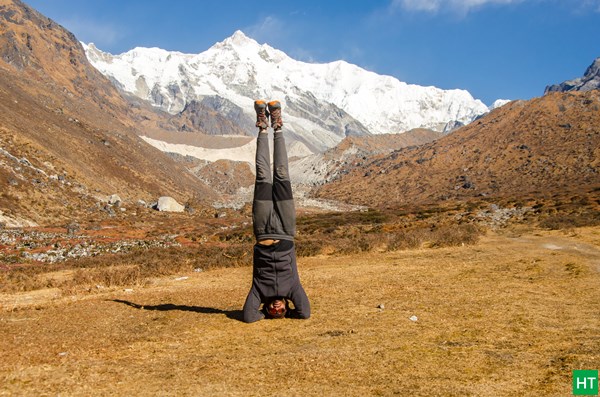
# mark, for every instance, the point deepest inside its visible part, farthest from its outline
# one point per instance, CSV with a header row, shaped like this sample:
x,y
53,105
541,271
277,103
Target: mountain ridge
x,y
543,147
589,81
239,70
68,139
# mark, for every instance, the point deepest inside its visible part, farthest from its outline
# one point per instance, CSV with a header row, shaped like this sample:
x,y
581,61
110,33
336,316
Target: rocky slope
x,y
589,81
546,146
352,152
68,139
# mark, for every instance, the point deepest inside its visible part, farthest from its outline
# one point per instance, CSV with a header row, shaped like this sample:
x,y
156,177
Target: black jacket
x,y
275,275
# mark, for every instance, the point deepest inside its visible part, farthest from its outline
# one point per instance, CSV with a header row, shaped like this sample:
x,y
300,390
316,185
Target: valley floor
x,y
510,316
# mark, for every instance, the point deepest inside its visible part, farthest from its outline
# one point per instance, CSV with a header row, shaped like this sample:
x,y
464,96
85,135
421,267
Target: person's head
x,y
276,308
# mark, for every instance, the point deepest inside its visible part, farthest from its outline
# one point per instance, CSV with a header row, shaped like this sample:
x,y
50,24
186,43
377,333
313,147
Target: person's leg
x,y
262,204
283,199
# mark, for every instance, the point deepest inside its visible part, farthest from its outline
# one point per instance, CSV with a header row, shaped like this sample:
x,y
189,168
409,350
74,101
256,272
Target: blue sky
x,y
509,49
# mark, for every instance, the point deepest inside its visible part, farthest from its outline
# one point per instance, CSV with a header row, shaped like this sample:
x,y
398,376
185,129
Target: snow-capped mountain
x,y
499,103
322,103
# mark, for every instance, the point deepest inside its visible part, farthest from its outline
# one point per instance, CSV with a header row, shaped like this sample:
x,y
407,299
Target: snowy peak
x,y
238,39
247,48
323,102
499,103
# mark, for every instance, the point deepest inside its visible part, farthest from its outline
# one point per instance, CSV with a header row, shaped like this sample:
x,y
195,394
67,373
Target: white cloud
x,y
593,5
418,5
265,30
278,34
463,7
459,6
302,54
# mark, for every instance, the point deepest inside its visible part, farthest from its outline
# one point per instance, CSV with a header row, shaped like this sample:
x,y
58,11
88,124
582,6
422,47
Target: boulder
x,y
73,228
114,200
169,204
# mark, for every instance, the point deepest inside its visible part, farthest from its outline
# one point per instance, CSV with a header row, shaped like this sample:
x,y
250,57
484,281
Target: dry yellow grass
x,y
510,316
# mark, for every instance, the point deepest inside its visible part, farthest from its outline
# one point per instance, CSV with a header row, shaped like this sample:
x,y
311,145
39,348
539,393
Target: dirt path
x,y
572,245
509,316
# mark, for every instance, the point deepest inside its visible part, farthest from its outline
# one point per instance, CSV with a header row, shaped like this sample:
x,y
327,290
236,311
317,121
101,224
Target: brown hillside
x,y
353,151
546,146
67,137
388,142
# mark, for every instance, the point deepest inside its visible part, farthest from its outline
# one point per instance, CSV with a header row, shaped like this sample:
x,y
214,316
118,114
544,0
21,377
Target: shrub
x,y
444,236
568,221
450,236
20,281
406,239
309,246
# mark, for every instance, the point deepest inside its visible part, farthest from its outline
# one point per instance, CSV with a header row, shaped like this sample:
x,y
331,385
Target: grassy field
x,y
511,315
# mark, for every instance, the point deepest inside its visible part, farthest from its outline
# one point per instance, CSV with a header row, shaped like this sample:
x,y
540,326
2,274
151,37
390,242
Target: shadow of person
x,y
232,314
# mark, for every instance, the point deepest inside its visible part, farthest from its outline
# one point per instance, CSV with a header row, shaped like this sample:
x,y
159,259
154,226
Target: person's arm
x,y
252,311
301,304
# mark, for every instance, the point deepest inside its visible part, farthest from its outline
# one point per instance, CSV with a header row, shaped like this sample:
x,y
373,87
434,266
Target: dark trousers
x,y
273,211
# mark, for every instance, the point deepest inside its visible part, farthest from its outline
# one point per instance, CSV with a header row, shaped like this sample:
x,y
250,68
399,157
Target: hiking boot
x,y
262,115
275,110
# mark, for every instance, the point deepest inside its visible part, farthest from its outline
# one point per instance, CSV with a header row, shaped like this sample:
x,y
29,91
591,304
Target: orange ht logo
x,y
585,382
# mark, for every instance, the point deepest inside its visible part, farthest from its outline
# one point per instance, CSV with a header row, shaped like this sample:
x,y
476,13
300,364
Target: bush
x,y
569,221
211,246
406,239
309,247
451,236
444,236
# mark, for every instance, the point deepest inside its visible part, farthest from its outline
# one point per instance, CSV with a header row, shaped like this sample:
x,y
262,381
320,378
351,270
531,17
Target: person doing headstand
x,y
275,279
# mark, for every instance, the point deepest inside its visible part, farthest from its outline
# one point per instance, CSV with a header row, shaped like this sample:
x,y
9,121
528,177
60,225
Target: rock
x,y
114,200
25,162
73,228
589,81
169,204
452,125
108,208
